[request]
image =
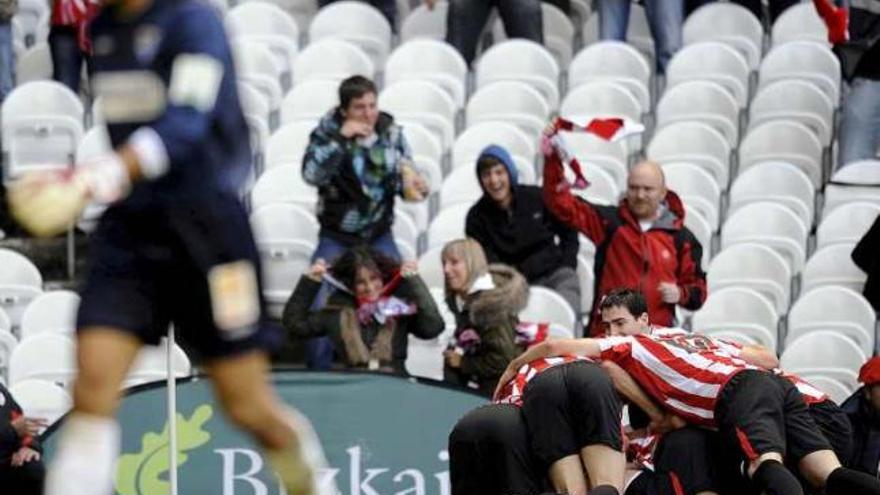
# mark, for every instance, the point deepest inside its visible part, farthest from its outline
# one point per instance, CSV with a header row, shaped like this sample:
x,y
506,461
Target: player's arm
x,y
628,388
759,355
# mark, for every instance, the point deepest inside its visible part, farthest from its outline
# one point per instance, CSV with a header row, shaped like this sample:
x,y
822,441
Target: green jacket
x,y
387,343
492,314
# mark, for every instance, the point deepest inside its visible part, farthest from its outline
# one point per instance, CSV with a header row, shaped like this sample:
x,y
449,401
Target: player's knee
x,y
817,466
761,459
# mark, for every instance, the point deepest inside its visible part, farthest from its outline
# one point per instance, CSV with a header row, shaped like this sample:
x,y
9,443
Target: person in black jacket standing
x,y
866,256
514,227
21,464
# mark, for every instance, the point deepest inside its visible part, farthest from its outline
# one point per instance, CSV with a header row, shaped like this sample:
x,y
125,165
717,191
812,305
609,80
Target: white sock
x,y
86,457
293,463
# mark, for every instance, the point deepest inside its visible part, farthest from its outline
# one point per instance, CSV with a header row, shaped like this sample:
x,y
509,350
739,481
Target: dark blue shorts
x,y
151,266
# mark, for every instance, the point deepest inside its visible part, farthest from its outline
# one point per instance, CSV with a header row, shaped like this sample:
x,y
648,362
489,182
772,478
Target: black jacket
x,y
866,433
10,442
864,25
866,256
524,238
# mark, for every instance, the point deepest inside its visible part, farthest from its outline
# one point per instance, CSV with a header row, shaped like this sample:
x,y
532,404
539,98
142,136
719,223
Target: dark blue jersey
x,y
170,70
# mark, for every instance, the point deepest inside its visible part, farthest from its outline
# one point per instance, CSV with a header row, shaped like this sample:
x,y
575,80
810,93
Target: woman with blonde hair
x,y
485,300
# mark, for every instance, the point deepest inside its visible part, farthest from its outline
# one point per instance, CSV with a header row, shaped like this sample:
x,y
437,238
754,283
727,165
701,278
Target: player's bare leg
x,y
822,469
89,442
242,387
605,466
567,476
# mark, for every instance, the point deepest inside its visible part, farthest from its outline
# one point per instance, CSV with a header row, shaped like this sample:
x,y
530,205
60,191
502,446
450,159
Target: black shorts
x,y
151,267
569,407
684,462
759,412
489,454
835,426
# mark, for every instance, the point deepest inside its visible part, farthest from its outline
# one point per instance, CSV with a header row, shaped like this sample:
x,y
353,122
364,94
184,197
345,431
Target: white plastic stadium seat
x,y
520,60
779,182
257,114
824,353
806,60
42,125
47,356
846,224
423,22
5,322
638,33
448,225
284,260
558,33
53,311
611,156
616,61
429,60
270,25
602,189
34,64
833,265
796,100
404,229
423,102
700,101
702,230
20,283
332,59
771,224
423,142
31,14
800,22
837,391
431,267
696,143
41,399
741,310
8,342
601,99
151,364
696,187
587,279
784,141
509,101
284,221
856,181
476,138
728,23
837,309
424,358
753,266
256,65
547,306
712,61
356,22
302,10
288,144
283,184
309,100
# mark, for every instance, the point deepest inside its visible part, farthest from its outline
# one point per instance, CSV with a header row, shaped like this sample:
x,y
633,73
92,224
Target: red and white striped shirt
x,y
684,373
513,391
812,395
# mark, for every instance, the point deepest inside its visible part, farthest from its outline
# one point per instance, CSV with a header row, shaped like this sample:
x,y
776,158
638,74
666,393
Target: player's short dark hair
x,y
354,87
486,162
346,267
624,297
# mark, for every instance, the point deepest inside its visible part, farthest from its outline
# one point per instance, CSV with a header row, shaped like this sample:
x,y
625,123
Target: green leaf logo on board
x,y
141,473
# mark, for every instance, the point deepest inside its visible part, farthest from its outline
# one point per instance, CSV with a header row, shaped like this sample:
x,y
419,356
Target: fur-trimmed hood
x,y
497,306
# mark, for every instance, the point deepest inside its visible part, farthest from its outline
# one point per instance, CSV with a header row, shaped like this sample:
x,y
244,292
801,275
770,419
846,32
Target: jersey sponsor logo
x,y
134,96
235,301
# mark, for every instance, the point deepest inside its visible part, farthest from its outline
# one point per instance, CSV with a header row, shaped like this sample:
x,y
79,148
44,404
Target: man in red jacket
x,y
641,244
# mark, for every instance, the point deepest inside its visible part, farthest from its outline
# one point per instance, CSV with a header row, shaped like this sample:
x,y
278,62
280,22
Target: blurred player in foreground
x,y
174,244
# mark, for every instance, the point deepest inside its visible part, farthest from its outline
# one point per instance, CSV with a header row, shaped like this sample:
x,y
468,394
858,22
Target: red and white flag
x,y
610,129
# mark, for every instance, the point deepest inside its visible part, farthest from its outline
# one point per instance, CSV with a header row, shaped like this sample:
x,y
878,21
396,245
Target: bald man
x,y
641,243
